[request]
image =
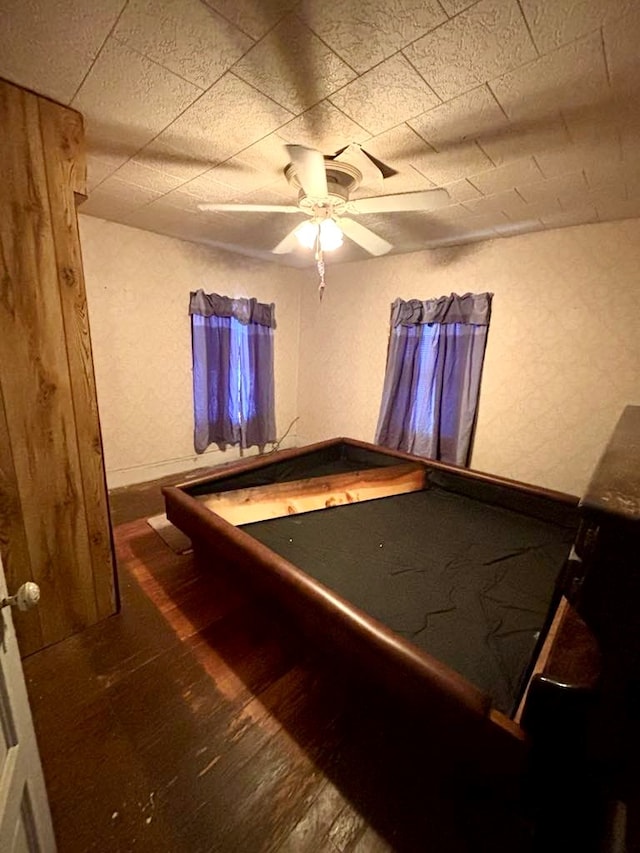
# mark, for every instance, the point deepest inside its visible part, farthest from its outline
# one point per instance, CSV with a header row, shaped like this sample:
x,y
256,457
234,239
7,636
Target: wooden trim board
x,y
259,503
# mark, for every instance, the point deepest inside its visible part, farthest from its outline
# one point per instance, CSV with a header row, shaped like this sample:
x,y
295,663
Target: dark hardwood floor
x,y
192,721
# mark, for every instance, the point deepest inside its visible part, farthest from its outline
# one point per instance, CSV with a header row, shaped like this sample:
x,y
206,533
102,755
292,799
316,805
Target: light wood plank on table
x,y
259,503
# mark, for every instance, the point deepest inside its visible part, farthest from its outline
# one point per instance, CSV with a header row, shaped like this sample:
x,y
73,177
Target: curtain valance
x,y
471,309
245,311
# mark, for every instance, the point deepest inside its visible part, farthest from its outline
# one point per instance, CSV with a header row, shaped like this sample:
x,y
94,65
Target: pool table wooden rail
x,y
415,679
418,680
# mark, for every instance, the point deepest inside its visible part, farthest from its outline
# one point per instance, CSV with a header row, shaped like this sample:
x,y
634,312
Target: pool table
x,y
436,583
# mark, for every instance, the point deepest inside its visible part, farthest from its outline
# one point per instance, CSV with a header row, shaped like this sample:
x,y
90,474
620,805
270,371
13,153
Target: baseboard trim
x,y
118,477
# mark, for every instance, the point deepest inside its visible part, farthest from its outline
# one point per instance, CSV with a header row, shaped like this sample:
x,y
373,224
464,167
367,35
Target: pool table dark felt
x,y
467,582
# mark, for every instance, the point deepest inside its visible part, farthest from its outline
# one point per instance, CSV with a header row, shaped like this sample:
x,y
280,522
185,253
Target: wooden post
x,y
54,524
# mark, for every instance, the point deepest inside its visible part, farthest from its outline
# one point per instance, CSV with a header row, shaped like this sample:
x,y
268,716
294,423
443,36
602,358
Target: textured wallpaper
x,y
563,354
138,287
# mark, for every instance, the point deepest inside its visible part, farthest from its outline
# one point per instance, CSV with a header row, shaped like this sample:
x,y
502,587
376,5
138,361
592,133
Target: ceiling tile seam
x,y
495,98
519,194
273,100
146,56
357,123
478,142
267,95
567,129
526,23
422,77
193,103
99,51
256,42
533,61
424,177
606,60
229,21
538,167
328,46
443,10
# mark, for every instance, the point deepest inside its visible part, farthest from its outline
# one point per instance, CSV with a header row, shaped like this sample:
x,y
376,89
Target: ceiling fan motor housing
x,y
342,179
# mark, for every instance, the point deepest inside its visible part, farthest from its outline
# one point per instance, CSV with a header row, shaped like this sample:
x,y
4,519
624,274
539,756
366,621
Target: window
x,y
432,381
233,385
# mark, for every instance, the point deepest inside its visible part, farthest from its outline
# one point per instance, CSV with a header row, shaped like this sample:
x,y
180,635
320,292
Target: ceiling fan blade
x,y
288,244
310,169
364,237
372,178
424,200
249,208
385,171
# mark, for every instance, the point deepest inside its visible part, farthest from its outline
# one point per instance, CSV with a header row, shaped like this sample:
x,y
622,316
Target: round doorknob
x,y
27,596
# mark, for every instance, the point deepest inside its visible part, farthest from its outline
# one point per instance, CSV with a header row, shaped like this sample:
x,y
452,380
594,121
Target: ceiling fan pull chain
x,y
320,266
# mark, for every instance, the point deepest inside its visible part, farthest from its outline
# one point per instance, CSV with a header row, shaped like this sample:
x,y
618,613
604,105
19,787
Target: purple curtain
x,y
432,381
233,386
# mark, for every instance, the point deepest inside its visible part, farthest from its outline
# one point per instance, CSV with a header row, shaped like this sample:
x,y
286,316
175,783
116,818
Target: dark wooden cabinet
x,y
54,519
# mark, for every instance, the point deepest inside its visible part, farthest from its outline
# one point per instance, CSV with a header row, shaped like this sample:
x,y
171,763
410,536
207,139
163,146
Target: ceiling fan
x,y
324,186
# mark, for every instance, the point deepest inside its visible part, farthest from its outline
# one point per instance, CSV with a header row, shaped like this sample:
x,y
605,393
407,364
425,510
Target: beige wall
x,y
138,287
563,355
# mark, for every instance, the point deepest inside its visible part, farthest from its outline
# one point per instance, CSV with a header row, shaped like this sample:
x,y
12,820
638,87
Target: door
x,y
25,820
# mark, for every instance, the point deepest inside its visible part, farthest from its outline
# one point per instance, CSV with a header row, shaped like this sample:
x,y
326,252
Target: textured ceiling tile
x,y
40,50
365,33
268,154
385,96
174,203
468,116
570,78
525,139
488,39
146,177
621,40
98,169
555,24
508,202
408,180
131,194
184,36
276,193
581,155
323,127
604,175
462,191
254,18
505,177
397,145
105,206
455,164
294,67
115,198
579,216
228,117
207,187
453,7
127,99
565,187
240,176
164,158
609,209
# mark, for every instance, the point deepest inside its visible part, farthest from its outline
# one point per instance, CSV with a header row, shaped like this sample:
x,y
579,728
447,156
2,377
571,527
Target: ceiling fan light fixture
x,y
330,234
307,234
